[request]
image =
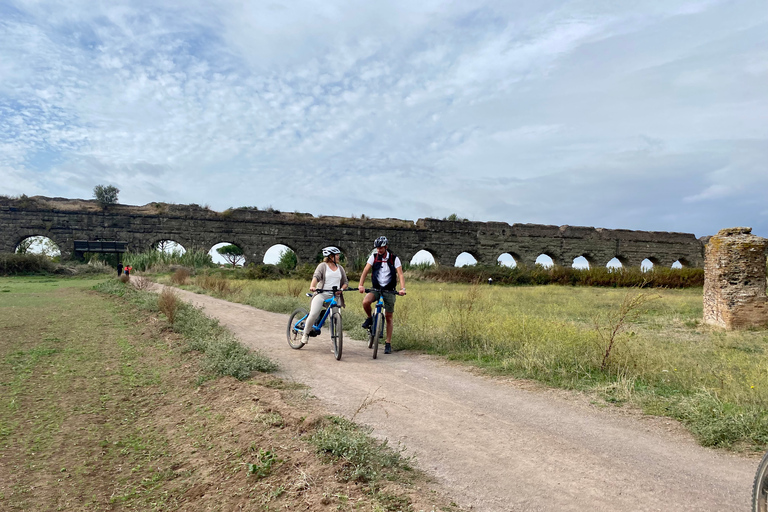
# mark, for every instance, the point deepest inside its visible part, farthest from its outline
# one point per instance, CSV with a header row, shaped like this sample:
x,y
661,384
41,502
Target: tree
x,y
287,261
232,253
105,195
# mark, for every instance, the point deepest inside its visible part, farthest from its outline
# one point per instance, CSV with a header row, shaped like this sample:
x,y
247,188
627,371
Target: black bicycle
x,y
296,324
376,330
760,487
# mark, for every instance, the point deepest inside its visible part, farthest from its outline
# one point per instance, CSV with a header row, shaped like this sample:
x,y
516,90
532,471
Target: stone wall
x,y
734,280
255,231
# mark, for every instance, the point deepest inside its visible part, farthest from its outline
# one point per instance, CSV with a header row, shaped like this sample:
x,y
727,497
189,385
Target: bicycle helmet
x,y
381,242
330,250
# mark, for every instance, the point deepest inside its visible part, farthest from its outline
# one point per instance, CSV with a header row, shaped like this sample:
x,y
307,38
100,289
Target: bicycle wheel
x,y
376,330
760,487
337,336
293,334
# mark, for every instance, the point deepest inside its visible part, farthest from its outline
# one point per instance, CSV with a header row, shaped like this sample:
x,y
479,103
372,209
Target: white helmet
x,y
381,242
330,250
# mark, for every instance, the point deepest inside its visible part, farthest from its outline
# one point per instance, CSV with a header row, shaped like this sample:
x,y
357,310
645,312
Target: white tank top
x,y
332,278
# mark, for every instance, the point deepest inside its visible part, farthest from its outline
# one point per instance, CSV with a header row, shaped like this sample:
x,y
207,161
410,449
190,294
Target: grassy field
x,y
106,406
663,360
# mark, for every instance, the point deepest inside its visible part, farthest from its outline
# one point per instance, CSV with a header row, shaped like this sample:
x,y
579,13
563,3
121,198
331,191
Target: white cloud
x,y
515,111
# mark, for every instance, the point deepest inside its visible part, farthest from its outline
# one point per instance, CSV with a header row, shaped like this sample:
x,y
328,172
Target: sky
x,y
649,115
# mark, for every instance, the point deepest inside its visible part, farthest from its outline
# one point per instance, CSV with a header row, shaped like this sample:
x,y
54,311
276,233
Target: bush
x,y
11,264
168,304
180,276
538,275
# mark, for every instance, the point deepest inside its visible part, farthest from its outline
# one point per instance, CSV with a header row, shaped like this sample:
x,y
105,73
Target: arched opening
x,y
646,265
614,263
681,263
422,259
545,261
465,260
169,247
507,260
227,254
41,245
581,262
677,264
281,256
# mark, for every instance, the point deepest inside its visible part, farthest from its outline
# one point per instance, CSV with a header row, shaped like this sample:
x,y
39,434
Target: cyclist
x,y
327,275
385,265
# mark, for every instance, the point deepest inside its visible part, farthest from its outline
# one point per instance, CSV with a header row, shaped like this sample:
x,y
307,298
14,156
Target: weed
x,y
364,458
180,276
168,304
141,283
265,459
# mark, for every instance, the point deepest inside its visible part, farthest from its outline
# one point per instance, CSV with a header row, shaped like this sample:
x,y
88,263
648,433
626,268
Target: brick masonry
x,y
734,280
255,231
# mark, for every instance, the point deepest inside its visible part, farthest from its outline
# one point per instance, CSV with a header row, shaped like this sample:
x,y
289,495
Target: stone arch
x,y
545,260
649,264
616,262
465,259
422,257
40,244
581,262
273,253
220,260
681,263
511,261
167,245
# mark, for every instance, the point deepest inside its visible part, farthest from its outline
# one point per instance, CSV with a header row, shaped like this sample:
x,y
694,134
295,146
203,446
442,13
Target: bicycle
x,y
296,323
760,487
376,330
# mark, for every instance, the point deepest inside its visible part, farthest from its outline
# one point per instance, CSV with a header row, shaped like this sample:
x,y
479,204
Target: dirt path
x,y
503,445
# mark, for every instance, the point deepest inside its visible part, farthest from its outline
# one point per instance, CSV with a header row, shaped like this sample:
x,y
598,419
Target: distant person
x,y
119,269
128,270
327,275
385,266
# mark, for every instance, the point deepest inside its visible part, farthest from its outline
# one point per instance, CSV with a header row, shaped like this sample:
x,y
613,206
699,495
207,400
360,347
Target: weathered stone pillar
x,y
734,280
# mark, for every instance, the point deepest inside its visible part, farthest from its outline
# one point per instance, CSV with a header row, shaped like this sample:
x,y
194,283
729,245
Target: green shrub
x,y
13,264
365,458
540,275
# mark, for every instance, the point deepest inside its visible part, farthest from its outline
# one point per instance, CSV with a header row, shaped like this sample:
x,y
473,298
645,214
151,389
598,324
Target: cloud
x,y
554,112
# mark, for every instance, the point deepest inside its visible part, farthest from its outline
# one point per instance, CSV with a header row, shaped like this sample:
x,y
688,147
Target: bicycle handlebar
x,y
369,290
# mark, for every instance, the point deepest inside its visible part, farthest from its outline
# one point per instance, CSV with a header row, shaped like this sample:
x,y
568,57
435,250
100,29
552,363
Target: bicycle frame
x,y
328,303
377,325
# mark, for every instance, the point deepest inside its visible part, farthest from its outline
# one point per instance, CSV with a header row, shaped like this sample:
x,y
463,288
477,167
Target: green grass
x,y
667,363
224,354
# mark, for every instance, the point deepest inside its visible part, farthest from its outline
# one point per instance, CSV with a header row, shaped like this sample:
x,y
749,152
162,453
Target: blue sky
x,y
651,115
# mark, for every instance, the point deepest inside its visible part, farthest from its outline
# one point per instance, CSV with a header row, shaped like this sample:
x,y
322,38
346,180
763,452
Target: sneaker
x,y
387,348
367,323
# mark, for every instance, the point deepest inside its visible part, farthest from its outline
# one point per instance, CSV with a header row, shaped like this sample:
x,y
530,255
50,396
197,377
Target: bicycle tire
x,y
376,330
294,335
760,487
370,335
337,334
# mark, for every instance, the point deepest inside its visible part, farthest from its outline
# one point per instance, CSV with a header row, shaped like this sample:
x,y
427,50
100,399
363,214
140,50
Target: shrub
x,y
141,283
180,276
11,264
168,304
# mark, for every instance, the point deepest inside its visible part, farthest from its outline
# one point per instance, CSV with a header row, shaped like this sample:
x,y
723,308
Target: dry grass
x,y
168,304
141,283
180,277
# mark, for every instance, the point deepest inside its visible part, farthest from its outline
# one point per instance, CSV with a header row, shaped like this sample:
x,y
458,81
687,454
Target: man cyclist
x,y
384,265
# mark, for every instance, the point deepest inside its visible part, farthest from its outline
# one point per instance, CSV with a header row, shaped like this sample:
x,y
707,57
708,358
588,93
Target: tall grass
x,y
159,260
538,275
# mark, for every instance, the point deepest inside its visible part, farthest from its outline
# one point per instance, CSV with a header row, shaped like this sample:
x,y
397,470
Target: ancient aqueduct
x,y
255,231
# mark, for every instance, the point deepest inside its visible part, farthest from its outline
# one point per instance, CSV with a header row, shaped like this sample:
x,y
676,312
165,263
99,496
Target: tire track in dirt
x,y
503,445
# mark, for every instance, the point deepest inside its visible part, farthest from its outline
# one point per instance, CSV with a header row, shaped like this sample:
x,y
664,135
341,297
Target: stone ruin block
x,y
734,280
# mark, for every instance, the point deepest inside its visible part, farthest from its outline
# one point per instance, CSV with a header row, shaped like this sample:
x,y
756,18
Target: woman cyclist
x,y
327,275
